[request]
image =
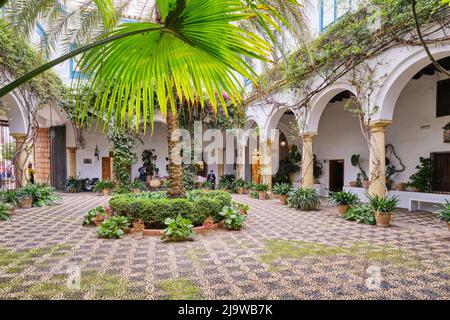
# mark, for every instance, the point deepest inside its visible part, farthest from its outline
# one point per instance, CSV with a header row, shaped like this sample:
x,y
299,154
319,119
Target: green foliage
x,y
178,229
73,184
181,289
102,185
42,195
289,165
261,187
254,194
232,218
282,188
360,213
18,58
382,204
303,199
241,207
7,151
148,161
89,218
113,227
9,196
124,154
444,212
189,173
362,175
422,178
344,198
4,212
153,208
207,185
226,182
239,183
317,168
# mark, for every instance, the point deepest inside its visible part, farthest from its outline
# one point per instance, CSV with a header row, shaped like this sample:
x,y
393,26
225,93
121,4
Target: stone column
x,y
72,161
220,165
377,161
21,159
307,173
266,163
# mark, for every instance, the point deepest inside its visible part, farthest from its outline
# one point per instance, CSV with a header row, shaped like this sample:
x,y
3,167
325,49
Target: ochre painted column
x,y
220,165
266,164
21,160
307,173
72,161
377,159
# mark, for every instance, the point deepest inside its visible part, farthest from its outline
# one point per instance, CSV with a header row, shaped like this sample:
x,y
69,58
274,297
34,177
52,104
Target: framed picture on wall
x,y
87,161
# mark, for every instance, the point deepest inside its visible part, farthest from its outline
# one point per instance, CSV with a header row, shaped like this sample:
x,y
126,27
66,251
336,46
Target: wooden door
x,y
58,160
336,175
106,168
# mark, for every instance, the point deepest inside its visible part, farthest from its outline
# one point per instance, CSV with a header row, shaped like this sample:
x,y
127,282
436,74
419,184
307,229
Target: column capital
x,y
379,126
308,136
72,149
19,137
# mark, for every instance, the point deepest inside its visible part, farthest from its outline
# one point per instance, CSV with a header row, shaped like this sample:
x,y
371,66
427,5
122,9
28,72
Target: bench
x,y
414,204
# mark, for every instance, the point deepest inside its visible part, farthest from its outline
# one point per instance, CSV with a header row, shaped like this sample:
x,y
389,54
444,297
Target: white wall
x,y
416,108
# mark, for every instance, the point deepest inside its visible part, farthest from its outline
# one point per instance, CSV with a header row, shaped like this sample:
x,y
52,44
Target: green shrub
x,y
4,212
261,187
73,184
233,219
227,182
282,188
241,207
178,229
360,213
207,185
102,185
152,195
303,199
444,212
9,196
344,198
113,227
204,208
42,195
89,218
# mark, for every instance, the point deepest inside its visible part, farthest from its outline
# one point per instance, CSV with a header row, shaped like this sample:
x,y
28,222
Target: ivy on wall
x,y
124,154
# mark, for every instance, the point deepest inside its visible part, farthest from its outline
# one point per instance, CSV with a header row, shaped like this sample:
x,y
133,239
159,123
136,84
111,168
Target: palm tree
x,y
192,51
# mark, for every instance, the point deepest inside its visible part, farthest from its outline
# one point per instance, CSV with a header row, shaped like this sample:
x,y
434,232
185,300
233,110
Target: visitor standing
x,y
212,179
31,173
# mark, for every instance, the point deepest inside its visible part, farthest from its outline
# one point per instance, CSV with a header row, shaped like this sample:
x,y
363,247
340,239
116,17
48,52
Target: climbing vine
x,y
124,154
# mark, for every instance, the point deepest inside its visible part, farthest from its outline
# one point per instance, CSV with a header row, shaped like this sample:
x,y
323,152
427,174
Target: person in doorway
x,y
31,173
212,179
142,174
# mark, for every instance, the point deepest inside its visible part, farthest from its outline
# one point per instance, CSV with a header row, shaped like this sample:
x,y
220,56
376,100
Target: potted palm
x,y
443,213
239,185
383,208
25,199
343,200
262,189
103,186
282,190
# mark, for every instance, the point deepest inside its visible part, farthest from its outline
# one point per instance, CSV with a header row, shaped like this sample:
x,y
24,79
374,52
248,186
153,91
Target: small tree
x,y
124,155
148,159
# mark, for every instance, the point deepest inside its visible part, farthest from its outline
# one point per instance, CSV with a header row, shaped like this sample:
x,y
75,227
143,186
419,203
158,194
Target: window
x,y
331,10
443,98
74,73
440,168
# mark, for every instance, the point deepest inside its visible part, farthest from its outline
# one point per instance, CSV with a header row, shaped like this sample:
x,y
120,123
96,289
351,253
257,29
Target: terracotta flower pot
x,y
12,209
383,219
283,199
240,190
366,184
448,225
353,184
262,195
155,183
400,186
342,209
136,190
105,192
25,203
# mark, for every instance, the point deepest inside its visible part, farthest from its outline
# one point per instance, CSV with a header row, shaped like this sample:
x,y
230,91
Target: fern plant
x,y
303,199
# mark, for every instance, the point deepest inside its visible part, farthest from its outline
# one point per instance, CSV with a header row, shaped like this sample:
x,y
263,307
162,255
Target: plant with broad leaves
x,y
89,218
360,213
4,212
178,229
241,207
233,219
444,212
343,198
282,188
113,227
101,185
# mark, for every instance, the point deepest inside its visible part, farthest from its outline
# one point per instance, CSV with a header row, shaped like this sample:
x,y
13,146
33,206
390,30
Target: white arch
x,y
321,100
15,111
400,76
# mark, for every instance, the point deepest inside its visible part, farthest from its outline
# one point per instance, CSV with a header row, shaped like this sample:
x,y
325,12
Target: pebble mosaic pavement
x,y
281,253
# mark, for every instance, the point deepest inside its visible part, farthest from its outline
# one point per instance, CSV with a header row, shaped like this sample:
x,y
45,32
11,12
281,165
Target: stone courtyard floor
x,y
280,254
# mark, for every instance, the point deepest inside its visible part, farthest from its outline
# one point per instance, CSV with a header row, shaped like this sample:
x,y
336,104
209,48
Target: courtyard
x,y
280,253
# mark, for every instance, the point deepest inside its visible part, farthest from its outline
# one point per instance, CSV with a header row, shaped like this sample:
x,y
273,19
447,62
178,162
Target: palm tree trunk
x,y
176,189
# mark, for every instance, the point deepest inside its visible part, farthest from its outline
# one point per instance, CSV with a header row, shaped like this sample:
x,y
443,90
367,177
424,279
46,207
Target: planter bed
x,y
160,232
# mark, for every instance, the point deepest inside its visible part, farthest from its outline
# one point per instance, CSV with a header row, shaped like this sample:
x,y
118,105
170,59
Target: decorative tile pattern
x,y
280,254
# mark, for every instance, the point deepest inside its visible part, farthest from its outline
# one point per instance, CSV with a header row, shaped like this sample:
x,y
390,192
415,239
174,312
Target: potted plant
x,y
262,189
155,181
137,186
206,185
73,184
317,169
232,219
4,212
151,170
421,180
138,229
248,186
103,186
90,216
208,223
98,220
242,208
282,190
25,200
303,199
343,200
239,185
361,177
10,198
443,213
400,186
383,208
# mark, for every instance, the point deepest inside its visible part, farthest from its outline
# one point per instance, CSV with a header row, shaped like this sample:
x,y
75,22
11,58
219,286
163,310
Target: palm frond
x,y
193,57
